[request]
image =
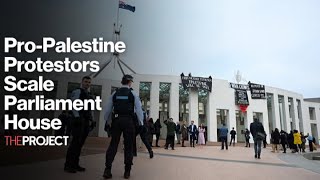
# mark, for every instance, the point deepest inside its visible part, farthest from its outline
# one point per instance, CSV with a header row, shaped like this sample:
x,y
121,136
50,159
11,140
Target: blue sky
x,y
272,42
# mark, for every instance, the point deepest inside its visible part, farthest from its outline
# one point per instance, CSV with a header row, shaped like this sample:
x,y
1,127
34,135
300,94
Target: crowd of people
x,y
179,131
295,141
128,119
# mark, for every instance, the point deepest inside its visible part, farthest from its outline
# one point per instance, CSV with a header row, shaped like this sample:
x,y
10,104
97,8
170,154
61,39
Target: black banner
x,y
257,91
241,97
239,86
197,82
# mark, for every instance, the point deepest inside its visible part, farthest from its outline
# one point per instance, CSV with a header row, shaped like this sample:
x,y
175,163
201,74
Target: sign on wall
x,y
244,87
241,97
197,82
257,91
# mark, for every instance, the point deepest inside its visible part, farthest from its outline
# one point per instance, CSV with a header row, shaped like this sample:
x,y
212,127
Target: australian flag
x,y
126,6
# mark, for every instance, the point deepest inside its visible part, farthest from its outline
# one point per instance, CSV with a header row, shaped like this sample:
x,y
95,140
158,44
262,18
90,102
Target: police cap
x,y
126,78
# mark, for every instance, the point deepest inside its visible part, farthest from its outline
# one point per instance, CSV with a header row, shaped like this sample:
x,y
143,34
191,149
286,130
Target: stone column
x,y
154,100
193,107
275,111
295,117
286,113
212,119
174,102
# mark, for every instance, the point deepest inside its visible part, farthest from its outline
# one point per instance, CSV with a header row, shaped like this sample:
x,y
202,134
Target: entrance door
x,y
163,116
222,118
314,132
241,128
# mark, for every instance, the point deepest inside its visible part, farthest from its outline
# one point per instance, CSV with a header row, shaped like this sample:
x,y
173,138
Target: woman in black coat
x,y
157,128
275,139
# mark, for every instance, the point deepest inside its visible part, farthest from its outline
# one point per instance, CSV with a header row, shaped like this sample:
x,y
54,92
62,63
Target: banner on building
x,y
257,91
241,97
244,87
197,82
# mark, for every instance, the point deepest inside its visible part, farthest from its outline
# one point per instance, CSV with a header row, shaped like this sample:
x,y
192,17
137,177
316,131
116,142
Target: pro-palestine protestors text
x,y
40,102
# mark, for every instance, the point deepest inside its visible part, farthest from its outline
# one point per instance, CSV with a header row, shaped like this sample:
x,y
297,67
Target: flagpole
x,y
115,57
117,27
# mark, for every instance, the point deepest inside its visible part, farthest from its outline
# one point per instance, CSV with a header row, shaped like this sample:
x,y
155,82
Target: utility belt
x,y
86,115
132,117
123,115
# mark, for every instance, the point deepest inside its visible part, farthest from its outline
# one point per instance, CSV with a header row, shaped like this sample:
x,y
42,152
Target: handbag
x,y
261,135
314,146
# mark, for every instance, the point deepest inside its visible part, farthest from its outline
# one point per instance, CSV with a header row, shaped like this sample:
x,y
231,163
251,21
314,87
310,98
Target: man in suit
x,y
192,131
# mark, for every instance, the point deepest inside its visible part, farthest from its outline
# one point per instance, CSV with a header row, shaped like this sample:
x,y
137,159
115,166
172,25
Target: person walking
x,y
184,133
290,140
303,140
178,132
284,142
297,141
224,136
276,140
157,127
258,134
192,131
125,103
151,131
171,127
265,140
201,137
80,127
233,136
310,140
247,137
145,137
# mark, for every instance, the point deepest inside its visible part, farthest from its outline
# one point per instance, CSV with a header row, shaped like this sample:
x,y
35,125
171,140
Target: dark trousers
x,y
297,147
284,146
149,137
224,140
257,147
170,140
126,126
247,142
182,141
310,146
264,143
80,131
144,139
234,140
157,138
192,139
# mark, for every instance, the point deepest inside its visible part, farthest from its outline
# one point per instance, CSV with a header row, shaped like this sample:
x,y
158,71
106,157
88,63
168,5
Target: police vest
x,y
85,95
123,102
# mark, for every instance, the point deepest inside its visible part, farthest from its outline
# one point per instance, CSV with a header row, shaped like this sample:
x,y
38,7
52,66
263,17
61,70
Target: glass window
x,y
144,94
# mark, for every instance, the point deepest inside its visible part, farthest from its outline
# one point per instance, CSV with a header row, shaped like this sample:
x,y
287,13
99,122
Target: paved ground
x,y
208,162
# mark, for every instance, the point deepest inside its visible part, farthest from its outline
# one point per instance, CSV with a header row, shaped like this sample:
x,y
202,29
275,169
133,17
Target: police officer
x,y
124,103
81,124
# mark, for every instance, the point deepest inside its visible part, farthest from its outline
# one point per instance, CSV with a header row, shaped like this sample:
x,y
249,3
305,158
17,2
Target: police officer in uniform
x,y
124,103
81,124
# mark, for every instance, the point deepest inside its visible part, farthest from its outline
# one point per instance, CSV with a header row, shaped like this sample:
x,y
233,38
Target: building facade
x,y
163,97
